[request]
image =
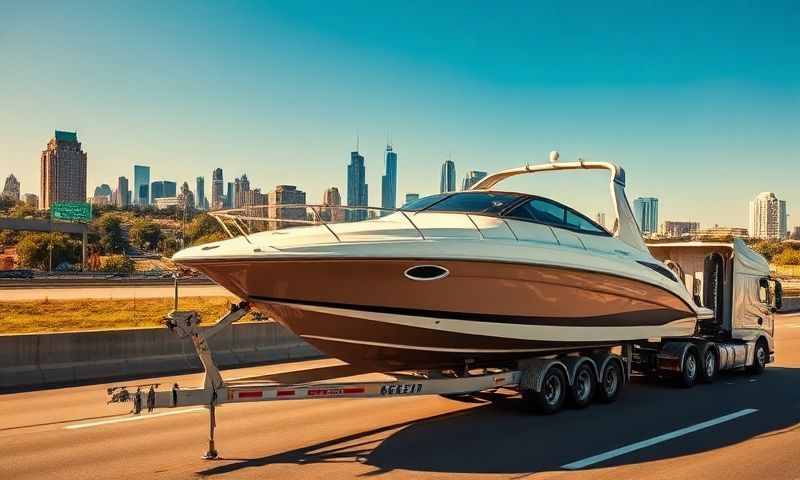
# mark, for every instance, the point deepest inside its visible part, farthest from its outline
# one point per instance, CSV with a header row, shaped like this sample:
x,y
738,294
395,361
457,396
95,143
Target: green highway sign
x,y
72,211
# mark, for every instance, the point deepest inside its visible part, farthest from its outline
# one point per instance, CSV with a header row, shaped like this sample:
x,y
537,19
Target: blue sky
x,y
700,104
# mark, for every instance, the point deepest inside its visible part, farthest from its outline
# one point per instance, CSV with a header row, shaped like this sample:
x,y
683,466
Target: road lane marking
x,y
655,440
132,418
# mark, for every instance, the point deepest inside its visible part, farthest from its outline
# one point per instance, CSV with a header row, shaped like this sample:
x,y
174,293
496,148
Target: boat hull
x,y
368,312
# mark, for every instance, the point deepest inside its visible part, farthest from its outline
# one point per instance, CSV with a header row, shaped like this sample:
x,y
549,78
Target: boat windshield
x,y
423,203
476,202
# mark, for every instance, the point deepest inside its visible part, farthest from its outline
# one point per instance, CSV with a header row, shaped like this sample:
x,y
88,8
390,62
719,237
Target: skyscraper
x,y
389,180
241,185
286,195
121,193
601,219
230,196
357,188
645,209
141,185
472,177
331,197
186,197
11,188
200,193
767,217
217,192
447,183
103,191
410,197
162,189
63,169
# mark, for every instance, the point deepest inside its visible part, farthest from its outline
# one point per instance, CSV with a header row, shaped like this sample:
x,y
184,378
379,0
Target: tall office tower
x,y
32,200
286,195
645,209
103,190
447,183
241,185
230,196
410,197
141,185
389,180
332,198
472,177
121,193
601,219
11,188
217,192
186,197
357,188
163,189
253,203
679,229
200,193
767,217
63,167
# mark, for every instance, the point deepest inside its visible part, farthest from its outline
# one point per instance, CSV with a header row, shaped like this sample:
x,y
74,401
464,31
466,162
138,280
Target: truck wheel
x,y
611,382
760,357
689,369
709,368
550,398
582,390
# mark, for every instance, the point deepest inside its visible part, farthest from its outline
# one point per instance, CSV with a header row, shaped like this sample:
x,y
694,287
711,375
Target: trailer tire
x,y
709,366
583,387
550,397
611,382
760,357
690,368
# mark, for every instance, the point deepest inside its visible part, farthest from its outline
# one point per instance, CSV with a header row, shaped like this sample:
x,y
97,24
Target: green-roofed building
x,y
63,170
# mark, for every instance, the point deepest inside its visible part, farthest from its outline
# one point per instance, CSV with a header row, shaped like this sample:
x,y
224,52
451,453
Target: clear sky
x,y
700,103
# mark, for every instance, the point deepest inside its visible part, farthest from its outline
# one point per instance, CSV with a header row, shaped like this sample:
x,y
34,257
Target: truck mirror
x,y
778,296
763,291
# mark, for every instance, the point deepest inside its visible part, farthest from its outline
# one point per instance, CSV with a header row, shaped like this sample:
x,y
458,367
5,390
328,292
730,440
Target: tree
x,y
33,250
117,264
767,248
789,256
112,239
203,229
145,234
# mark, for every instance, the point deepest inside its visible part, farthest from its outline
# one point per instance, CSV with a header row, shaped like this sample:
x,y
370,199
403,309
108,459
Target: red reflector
x,y
331,392
354,390
285,393
257,394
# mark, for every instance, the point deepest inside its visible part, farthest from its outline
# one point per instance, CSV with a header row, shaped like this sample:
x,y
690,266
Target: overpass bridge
x,y
39,225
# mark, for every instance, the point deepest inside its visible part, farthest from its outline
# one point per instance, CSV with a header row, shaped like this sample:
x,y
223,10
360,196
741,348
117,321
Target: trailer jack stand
x,y
212,453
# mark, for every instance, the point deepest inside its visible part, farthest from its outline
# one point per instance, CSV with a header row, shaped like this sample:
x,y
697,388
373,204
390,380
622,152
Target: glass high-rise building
x,y
389,180
141,185
217,190
357,188
410,197
162,189
768,217
200,193
645,209
472,177
447,183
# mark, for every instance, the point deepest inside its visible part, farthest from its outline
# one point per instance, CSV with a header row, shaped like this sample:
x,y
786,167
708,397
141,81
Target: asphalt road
x,y
109,292
71,433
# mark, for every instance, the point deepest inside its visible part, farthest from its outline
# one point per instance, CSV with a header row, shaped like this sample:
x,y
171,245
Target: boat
x,y
478,278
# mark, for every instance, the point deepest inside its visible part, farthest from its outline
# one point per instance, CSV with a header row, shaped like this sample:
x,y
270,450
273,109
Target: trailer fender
x,y
573,363
532,372
671,355
600,361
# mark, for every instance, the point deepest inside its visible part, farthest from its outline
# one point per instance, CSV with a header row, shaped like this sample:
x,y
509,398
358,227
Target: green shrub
x,y
117,264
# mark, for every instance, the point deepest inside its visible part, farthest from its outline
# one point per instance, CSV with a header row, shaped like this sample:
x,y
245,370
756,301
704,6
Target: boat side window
x,y
423,203
476,202
544,211
580,222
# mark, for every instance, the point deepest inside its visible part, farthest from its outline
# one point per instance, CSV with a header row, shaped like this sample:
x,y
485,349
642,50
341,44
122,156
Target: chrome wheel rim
x,y
610,380
761,355
552,389
691,366
583,385
710,364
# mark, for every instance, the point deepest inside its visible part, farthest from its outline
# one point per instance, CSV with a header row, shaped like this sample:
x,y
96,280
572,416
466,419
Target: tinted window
x,y
424,202
540,210
478,202
577,221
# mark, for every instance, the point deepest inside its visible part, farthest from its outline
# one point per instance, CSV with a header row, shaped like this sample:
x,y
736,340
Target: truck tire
x,y
582,390
611,382
760,357
550,398
690,369
709,365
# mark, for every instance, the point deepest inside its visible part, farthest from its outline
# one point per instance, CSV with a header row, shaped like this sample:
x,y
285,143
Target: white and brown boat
x,y
482,277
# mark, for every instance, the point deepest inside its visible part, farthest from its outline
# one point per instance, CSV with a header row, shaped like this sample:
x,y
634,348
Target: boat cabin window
x,y
423,203
476,202
545,211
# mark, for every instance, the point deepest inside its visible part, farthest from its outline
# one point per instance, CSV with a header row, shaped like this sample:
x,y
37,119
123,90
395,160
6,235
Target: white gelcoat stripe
x,y
132,418
510,330
655,440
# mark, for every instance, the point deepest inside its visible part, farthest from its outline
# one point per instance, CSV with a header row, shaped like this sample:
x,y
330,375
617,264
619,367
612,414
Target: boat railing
x,y
247,220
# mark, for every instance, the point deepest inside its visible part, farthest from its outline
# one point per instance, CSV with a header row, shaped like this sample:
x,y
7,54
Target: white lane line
x,y
132,418
655,440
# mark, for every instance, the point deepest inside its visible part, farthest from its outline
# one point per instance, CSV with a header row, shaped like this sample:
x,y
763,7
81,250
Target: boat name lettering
x,y
401,389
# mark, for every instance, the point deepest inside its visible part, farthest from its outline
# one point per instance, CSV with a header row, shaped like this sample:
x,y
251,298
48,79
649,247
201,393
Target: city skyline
x,y
674,100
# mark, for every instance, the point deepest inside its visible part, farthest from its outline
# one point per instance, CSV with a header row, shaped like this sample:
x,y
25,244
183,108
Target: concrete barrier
x,y
790,304
55,359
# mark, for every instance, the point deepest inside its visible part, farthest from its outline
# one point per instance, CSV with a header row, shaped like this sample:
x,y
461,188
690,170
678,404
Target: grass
x,y
70,315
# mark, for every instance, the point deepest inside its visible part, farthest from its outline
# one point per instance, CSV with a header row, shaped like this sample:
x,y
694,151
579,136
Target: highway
x,y
113,292
739,427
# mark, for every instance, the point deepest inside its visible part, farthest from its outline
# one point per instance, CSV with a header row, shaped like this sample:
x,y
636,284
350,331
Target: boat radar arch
x,y
626,229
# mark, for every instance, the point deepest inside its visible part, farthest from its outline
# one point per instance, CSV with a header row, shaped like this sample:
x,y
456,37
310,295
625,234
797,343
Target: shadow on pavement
x,y
497,436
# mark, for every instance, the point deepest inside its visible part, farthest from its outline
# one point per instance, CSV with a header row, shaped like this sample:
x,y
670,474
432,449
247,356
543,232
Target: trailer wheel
x,y
583,388
760,357
709,368
611,382
550,398
690,369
